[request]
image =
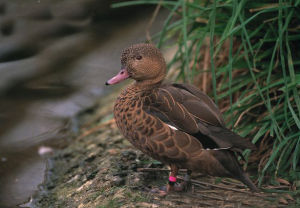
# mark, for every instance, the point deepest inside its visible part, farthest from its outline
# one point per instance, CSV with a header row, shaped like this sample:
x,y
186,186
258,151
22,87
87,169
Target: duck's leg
x,y
183,186
172,185
172,178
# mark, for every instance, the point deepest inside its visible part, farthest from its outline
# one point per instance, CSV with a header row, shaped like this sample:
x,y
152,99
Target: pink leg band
x,y
172,178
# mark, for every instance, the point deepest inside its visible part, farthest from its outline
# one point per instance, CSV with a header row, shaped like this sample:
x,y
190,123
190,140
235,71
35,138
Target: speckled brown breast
x,y
133,122
148,133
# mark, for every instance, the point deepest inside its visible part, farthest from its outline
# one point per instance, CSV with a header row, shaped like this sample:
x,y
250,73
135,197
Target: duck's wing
x,y
189,110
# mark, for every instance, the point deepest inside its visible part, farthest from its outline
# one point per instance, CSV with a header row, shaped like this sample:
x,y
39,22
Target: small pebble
x,y
118,181
44,150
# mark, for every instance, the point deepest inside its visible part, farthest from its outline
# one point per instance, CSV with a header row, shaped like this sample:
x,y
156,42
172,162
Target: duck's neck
x,y
149,83
146,85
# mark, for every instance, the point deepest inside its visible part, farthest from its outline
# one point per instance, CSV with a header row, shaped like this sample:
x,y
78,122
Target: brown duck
x,y
176,124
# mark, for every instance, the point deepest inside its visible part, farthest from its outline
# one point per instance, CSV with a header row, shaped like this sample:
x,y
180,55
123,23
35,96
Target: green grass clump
x,y
247,55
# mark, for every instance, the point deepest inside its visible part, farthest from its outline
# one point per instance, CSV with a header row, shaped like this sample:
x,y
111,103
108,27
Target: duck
x,y
174,123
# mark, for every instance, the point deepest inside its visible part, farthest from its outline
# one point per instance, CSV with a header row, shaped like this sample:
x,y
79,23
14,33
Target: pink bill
x,y
122,75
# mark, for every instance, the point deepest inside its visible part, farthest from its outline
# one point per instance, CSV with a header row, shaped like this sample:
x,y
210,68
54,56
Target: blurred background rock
x,y
55,56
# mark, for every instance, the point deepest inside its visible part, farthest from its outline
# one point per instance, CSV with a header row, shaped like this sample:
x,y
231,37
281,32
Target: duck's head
x,y
142,62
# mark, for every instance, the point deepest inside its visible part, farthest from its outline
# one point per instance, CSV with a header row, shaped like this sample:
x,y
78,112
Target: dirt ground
x,y
99,168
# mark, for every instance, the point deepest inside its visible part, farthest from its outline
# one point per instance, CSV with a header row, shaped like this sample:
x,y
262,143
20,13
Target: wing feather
x,y
192,111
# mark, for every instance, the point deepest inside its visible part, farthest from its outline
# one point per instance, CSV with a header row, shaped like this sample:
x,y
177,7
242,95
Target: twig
x,y
205,68
152,169
248,109
153,17
215,198
268,6
221,187
202,202
157,169
96,128
234,184
279,187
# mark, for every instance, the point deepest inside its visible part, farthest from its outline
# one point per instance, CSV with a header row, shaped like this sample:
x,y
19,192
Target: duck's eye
x,y
139,57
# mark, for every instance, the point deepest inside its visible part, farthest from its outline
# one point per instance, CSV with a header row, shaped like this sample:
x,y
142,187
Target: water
x,y
39,92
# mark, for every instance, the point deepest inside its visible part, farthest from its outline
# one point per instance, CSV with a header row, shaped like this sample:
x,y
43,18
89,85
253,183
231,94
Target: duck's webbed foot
x,y
172,185
184,185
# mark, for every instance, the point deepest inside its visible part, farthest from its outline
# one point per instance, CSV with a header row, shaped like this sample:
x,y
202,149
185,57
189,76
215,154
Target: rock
x,y
118,181
113,151
84,186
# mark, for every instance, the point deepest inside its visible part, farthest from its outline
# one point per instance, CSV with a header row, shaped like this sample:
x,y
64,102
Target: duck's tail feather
x,y
246,180
231,164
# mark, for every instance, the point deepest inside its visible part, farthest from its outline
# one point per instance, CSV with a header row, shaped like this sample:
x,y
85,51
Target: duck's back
x,y
193,112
